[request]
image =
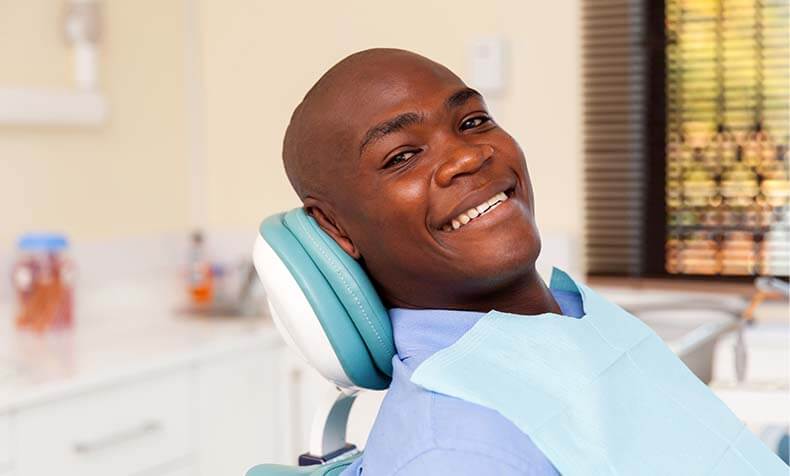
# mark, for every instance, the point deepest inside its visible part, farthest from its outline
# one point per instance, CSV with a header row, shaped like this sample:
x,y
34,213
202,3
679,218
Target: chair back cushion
x,y
323,302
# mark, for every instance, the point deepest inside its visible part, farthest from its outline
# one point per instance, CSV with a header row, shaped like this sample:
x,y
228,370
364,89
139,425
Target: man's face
x,y
435,196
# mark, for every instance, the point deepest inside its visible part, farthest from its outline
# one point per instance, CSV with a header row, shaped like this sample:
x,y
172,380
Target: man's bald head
x,y
391,153
320,140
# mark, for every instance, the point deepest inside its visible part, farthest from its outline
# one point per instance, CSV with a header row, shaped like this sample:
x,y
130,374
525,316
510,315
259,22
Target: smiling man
x,y
402,165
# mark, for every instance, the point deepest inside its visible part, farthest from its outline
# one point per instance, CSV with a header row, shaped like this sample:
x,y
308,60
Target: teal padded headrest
x,y
340,293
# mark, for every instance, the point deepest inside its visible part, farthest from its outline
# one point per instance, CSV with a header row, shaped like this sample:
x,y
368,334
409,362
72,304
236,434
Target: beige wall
x,y
261,57
135,174
123,177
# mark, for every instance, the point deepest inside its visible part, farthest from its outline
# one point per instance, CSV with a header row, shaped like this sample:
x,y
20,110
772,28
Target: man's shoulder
x,y
415,427
463,463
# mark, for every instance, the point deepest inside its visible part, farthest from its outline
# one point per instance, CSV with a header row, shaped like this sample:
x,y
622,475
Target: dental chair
x,y
326,308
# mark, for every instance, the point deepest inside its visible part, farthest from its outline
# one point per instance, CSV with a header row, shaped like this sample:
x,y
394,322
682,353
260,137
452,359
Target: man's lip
x,y
474,199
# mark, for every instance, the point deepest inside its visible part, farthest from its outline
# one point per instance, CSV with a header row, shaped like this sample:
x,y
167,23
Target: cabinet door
x,y
238,421
303,388
182,471
122,430
363,415
5,444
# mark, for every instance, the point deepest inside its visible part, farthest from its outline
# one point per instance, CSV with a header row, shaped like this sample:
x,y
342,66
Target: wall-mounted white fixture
x,y
488,69
81,28
82,106
487,57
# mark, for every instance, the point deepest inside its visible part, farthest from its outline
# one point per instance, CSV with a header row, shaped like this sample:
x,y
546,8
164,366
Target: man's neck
x,y
527,296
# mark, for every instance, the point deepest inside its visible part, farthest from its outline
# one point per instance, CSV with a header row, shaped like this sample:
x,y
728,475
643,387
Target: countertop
x,y
133,329
120,331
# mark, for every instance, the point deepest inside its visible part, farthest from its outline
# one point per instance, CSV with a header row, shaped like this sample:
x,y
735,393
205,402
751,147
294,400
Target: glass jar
x,y
43,277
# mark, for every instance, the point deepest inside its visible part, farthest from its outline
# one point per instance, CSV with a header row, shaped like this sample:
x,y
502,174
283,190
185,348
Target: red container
x,y
43,277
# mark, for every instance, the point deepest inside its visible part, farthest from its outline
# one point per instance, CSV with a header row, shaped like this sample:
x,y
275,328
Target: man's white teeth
x,y
474,212
500,197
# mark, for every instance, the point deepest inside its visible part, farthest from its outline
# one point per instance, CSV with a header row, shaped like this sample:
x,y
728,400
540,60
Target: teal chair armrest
x,y
327,469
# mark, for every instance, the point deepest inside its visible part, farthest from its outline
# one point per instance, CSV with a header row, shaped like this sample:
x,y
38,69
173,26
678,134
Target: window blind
x,y
614,90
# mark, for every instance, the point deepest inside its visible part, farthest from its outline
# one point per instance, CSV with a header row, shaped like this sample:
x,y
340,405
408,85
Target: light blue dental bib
x,y
600,395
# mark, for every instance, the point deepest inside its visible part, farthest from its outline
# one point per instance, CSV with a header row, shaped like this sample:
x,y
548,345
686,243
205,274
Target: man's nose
x,y
462,160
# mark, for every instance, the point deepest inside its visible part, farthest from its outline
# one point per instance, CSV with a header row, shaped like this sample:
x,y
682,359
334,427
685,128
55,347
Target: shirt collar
x,y
419,333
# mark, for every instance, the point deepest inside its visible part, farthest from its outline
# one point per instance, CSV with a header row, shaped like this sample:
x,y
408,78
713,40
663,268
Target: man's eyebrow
x,y
461,97
457,99
388,127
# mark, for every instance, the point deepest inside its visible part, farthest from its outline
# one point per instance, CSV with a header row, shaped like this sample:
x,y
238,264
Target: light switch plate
x,y
487,58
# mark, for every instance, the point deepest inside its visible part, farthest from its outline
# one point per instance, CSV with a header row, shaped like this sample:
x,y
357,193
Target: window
x,y
687,129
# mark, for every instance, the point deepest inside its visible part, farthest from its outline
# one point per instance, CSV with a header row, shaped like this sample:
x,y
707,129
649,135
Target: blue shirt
x,y
419,432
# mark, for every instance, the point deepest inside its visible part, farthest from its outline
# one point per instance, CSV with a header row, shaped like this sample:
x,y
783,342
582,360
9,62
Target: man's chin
x,y
500,260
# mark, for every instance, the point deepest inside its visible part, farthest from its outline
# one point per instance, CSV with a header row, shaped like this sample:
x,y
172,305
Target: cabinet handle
x,y
144,429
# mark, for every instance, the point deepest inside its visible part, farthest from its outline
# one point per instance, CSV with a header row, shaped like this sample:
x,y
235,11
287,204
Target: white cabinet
x,y
120,430
5,444
219,410
302,389
183,471
239,424
220,413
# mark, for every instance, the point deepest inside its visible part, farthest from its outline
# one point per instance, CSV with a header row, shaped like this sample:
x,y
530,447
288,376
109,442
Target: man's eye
x,y
473,122
399,158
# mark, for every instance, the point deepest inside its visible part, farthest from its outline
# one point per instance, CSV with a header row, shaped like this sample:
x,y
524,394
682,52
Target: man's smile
x,y
476,206
473,213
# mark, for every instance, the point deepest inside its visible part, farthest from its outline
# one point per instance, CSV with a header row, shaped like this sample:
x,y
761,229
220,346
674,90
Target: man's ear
x,y
330,225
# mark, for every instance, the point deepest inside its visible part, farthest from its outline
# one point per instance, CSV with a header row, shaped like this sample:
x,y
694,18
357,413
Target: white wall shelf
x,y
28,106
